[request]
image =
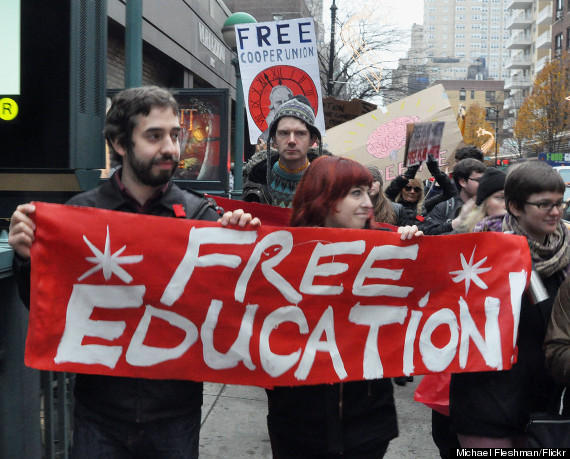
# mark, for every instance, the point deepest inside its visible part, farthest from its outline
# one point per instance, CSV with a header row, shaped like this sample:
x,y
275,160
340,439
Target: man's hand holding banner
x,y
129,295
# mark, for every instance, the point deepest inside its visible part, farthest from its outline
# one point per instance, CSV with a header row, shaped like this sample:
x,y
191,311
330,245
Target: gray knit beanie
x,y
376,175
297,107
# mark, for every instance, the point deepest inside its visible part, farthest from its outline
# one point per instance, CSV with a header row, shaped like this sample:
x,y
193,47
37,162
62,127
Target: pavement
x,y
234,424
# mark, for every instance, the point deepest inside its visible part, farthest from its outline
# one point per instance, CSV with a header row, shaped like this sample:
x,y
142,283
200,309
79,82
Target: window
x,y
462,94
568,38
558,40
472,94
490,96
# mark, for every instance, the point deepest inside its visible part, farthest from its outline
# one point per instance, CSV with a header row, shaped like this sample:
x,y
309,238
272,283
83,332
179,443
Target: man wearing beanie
x,y
271,176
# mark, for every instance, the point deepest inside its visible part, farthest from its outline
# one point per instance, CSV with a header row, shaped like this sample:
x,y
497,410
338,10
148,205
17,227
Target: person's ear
x,y
118,147
514,210
463,183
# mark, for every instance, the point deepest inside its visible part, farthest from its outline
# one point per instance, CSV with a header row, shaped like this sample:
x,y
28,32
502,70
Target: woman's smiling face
x,y
352,211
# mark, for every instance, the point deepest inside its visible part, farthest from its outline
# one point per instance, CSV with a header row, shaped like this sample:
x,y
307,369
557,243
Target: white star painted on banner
x,y
108,262
470,272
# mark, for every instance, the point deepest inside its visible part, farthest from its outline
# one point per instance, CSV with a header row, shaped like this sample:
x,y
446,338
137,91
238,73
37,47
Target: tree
x,y
363,45
475,124
543,117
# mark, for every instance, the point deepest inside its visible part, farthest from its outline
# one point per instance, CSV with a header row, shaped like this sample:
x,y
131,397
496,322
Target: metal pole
x,y
496,134
330,80
239,134
133,44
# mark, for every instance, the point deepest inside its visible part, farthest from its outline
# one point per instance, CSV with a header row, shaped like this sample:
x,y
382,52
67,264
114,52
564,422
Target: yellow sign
x,y
8,109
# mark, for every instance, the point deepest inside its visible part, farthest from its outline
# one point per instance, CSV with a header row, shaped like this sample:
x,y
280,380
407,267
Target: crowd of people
x,y
134,417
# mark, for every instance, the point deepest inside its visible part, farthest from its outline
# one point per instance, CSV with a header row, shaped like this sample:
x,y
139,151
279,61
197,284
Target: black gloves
x,y
433,166
411,171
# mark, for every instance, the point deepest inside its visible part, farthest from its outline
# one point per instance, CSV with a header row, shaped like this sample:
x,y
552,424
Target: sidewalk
x,y
234,426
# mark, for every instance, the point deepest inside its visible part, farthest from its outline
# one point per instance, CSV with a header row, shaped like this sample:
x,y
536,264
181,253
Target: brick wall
x,y
157,68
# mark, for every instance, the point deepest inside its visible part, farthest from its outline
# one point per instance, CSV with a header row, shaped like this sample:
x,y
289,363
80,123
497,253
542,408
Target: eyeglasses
x,y
417,189
547,206
298,134
474,179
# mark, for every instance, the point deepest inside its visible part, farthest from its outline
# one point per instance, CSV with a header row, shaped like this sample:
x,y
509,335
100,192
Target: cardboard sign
x,y
128,295
278,60
422,139
378,138
339,111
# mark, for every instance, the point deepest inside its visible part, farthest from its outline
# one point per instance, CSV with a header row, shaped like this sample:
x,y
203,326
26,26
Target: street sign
x,y
555,159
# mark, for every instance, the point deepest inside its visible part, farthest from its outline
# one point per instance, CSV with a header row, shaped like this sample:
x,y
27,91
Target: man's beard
x,y
143,170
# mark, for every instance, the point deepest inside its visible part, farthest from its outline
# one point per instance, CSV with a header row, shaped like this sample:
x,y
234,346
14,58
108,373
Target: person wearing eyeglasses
x,y
491,409
448,215
487,215
408,191
271,176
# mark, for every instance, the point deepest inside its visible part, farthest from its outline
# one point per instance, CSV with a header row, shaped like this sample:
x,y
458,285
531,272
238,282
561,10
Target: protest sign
x,y
339,111
278,60
123,294
422,139
378,138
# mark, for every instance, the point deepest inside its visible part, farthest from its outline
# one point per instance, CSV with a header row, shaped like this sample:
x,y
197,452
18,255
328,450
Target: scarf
x,y
550,256
494,223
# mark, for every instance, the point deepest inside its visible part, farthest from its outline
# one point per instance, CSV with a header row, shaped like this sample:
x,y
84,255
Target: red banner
x,y
130,295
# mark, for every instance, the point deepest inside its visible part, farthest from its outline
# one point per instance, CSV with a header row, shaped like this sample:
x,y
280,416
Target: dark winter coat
x,y
334,418
498,403
438,221
397,185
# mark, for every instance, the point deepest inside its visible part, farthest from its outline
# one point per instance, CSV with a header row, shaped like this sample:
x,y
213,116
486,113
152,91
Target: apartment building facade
x,y
560,27
530,43
459,33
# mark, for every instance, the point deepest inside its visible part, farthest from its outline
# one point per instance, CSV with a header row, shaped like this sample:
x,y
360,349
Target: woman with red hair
x,y
356,419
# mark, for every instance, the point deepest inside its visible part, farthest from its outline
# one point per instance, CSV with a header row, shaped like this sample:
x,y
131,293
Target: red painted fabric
x,y
129,295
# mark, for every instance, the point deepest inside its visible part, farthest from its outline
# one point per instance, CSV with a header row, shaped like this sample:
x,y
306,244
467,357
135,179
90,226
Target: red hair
x,y
327,179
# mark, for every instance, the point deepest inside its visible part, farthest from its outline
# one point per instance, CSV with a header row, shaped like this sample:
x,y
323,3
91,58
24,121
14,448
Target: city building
x,y
560,28
461,33
186,53
530,43
411,75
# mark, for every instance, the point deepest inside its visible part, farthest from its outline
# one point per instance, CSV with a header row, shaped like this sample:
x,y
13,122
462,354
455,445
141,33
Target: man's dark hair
x,y
469,151
125,106
529,178
464,168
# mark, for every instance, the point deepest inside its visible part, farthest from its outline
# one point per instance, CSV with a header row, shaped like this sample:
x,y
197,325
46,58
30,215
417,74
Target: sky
x,y
403,13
